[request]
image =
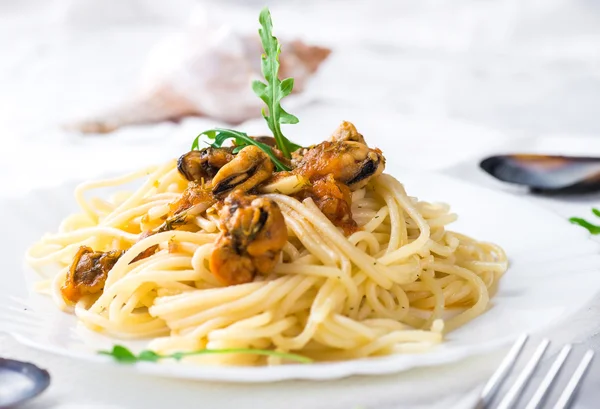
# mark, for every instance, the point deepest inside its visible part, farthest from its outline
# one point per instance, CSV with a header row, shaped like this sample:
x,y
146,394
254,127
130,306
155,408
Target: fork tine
x,y
11,310
490,388
548,380
565,397
16,311
524,377
19,315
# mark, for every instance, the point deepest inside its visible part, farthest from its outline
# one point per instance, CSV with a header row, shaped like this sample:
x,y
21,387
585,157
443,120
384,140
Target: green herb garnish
x,y
272,91
124,355
121,354
220,135
592,228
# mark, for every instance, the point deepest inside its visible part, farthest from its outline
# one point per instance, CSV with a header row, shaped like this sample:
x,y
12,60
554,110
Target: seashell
x,y
21,381
205,71
547,174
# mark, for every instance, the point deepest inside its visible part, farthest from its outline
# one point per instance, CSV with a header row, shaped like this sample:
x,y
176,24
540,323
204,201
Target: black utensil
x,y
547,174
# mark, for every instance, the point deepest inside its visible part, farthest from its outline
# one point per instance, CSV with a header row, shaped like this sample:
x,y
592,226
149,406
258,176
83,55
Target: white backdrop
x,y
440,82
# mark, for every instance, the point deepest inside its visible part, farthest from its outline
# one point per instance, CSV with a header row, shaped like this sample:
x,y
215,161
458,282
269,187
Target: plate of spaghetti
x,y
253,258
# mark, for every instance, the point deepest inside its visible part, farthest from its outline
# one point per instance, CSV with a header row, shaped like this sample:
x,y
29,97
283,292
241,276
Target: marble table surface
x,y
442,83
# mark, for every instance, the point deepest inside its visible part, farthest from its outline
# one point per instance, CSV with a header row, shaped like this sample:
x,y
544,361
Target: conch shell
x,y
204,71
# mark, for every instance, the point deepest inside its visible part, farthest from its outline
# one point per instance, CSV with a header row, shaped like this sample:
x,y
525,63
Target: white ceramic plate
x,y
553,272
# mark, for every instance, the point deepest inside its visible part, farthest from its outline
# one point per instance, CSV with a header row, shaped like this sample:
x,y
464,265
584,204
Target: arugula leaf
x,y
147,355
592,228
220,135
271,92
274,89
124,355
121,354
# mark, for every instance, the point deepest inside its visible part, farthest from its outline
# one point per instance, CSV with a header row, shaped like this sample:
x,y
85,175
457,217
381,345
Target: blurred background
x,y
437,84
449,79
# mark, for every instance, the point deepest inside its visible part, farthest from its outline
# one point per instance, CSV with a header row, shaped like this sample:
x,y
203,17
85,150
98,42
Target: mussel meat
x,y
253,234
203,165
352,163
347,132
88,272
250,167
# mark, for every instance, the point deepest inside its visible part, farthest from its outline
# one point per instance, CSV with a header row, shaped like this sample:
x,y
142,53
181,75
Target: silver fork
x,y
18,319
517,389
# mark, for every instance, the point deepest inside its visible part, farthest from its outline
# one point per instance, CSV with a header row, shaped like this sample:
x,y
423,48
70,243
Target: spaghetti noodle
x,y
386,287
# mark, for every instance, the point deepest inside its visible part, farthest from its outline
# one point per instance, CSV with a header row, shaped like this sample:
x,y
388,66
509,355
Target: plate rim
x,y
335,370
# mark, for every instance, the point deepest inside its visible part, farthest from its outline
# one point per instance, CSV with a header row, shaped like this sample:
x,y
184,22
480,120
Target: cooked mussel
x,y
203,164
352,163
347,132
88,272
371,166
547,174
334,199
250,167
194,200
252,235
